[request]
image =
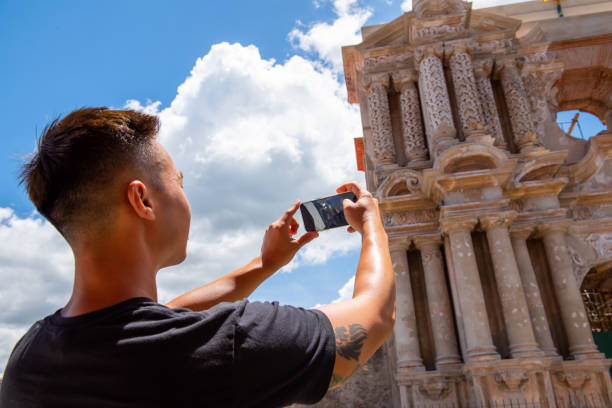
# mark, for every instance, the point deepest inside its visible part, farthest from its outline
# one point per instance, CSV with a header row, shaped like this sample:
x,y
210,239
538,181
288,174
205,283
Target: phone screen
x,y
325,213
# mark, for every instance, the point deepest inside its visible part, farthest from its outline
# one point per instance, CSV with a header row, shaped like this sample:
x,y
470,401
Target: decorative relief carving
x,y
412,127
380,121
512,380
409,217
519,109
482,73
401,182
436,106
386,61
539,86
602,243
470,112
574,380
439,30
494,45
435,390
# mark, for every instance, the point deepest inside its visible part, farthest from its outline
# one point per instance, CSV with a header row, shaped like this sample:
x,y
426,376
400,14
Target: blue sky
x,y
253,109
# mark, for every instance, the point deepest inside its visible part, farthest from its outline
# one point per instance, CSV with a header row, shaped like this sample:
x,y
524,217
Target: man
x,y
100,177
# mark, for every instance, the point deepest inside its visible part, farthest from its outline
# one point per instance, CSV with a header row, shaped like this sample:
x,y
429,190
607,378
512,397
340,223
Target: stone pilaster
x,y
412,125
479,343
380,119
482,74
514,305
539,321
440,311
439,126
523,129
573,314
405,329
457,54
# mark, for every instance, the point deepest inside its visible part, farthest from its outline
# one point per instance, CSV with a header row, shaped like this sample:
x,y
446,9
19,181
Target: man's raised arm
x,y
277,250
362,324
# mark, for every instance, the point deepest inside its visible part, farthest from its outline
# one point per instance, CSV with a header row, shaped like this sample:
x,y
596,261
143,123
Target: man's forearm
x,y
234,286
375,276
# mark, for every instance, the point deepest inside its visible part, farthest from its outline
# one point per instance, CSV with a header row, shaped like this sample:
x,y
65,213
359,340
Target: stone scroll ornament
x,y
439,125
518,106
464,84
412,125
482,73
380,119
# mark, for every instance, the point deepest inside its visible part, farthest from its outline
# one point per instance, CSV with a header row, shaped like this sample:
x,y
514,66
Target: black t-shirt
x,y
139,353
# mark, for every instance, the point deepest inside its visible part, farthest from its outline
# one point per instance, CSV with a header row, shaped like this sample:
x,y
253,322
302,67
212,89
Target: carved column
x,y
573,314
405,329
539,321
518,107
514,305
439,126
479,343
412,126
482,73
380,119
464,84
440,311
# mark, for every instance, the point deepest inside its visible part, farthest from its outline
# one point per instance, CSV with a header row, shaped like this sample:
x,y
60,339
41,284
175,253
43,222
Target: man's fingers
x,y
289,213
306,238
352,186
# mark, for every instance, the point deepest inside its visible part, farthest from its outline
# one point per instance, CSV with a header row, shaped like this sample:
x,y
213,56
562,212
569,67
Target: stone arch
x,y
403,182
469,157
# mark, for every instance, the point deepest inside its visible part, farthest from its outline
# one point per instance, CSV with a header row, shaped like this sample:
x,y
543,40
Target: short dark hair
x,y
78,157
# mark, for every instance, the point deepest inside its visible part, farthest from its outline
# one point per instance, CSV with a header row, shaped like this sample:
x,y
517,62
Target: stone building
x,y
494,214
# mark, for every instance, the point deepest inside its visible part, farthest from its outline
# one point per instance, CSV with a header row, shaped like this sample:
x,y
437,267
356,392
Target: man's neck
x,y
108,273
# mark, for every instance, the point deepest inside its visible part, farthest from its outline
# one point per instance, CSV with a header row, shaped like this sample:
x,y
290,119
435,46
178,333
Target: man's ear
x,y
140,200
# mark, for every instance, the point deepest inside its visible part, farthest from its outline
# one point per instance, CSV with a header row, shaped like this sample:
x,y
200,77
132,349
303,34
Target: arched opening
x,y
579,123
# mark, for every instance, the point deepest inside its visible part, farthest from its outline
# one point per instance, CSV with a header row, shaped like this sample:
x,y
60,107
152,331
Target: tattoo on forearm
x,y
335,380
350,342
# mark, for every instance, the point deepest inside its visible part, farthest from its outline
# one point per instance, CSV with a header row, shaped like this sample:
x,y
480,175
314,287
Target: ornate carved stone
x,y
482,73
540,92
380,119
602,243
412,126
439,125
409,217
513,380
518,106
574,380
434,390
468,102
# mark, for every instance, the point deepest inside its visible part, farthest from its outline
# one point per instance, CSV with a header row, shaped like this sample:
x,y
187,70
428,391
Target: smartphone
x,y
325,213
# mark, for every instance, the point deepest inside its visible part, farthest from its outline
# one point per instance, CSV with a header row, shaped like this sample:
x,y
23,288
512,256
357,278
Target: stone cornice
x,y
553,226
428,240
523,231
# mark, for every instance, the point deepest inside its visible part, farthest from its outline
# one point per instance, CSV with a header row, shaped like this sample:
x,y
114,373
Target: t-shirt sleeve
x,y
282,355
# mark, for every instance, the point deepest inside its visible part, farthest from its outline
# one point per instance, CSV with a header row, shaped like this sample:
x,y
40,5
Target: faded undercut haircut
x,y
77,159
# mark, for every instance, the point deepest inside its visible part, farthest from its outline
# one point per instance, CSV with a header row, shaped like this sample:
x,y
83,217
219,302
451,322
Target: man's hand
x,y
279,247
358,213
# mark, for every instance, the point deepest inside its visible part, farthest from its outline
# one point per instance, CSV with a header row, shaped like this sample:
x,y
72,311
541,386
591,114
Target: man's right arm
x,y
362,324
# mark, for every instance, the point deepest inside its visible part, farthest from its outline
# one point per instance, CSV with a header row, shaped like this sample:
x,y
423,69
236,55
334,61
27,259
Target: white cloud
x,y
325,40
406,6
36,270
346,291
251,136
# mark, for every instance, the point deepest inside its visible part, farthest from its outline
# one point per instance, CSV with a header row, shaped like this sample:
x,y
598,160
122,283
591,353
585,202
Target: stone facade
x,y
494,214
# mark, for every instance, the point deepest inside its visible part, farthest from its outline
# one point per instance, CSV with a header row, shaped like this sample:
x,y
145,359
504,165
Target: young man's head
x,y
98,171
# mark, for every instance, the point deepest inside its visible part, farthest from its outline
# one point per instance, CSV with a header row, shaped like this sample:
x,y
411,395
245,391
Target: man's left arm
x,y
278,249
